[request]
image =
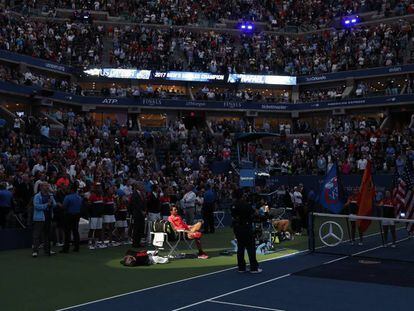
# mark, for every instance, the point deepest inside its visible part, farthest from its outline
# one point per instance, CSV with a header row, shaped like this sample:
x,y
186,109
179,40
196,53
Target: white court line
x,y
174,282
232,292
277,278
243,305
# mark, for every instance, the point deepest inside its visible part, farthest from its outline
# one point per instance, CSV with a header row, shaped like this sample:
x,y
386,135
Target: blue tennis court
x,y
304,281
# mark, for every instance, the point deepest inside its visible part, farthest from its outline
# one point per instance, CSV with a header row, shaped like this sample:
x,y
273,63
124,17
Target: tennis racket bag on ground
x,y
164,226
136,258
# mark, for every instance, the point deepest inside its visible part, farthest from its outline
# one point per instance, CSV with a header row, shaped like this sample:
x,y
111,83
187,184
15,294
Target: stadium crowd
x,y
74,44
330,51
278,14
110,159
80,44
107,164
321,94
351,142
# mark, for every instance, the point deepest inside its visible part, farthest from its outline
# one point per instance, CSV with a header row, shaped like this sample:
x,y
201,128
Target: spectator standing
x,y
362,164
321,165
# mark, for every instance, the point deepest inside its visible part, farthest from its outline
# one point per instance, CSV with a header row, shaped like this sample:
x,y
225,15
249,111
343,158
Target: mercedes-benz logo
x,y
331,233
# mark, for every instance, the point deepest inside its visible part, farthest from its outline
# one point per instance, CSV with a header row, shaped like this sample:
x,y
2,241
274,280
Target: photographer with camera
x,y
43,203
243,214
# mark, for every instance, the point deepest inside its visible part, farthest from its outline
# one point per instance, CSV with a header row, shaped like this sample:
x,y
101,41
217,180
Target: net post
x,y
349,230
381,228
311,226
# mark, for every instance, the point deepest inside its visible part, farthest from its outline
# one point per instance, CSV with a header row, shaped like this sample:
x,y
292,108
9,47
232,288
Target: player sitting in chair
x,y
193,232
281,225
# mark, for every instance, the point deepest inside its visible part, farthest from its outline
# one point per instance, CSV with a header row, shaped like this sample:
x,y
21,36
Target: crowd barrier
x,y
15,238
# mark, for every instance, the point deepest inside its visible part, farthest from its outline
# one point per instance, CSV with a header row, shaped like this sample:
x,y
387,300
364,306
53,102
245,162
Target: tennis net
x,y
339,235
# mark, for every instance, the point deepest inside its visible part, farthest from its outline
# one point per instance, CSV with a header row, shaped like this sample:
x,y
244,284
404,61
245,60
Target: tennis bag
x,y
164,226
136,258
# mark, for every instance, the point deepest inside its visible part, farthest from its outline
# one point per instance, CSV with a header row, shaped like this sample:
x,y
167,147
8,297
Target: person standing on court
x,y
189,200
72,205
43,205
242,213
299,209
209,202
137,208
388,211
352,210
153,209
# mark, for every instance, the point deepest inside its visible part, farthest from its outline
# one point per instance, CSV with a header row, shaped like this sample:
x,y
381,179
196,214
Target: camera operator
x,y
43,203
243,214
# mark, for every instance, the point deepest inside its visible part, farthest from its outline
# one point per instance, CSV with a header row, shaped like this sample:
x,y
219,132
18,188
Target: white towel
x,y
158,239
158,260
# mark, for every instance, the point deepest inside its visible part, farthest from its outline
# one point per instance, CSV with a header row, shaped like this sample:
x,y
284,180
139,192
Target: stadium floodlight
x,y
246,26
350,21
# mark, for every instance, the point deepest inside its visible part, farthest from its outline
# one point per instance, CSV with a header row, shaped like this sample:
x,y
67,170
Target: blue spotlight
x,y
350,21
246,26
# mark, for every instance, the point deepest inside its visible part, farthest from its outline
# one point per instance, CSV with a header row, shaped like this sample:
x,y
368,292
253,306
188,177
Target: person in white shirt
x,y
126,187
362,164
189,201
39,167
36,186
297,197
299,209
202,160
17,125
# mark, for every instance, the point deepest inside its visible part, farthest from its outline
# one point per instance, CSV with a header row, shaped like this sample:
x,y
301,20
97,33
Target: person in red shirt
x,y
123,131
193,232
63,181
346,167
388,211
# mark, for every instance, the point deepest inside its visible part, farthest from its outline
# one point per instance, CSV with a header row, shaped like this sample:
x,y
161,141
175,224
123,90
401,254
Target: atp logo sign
x,y
110,101
331,191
